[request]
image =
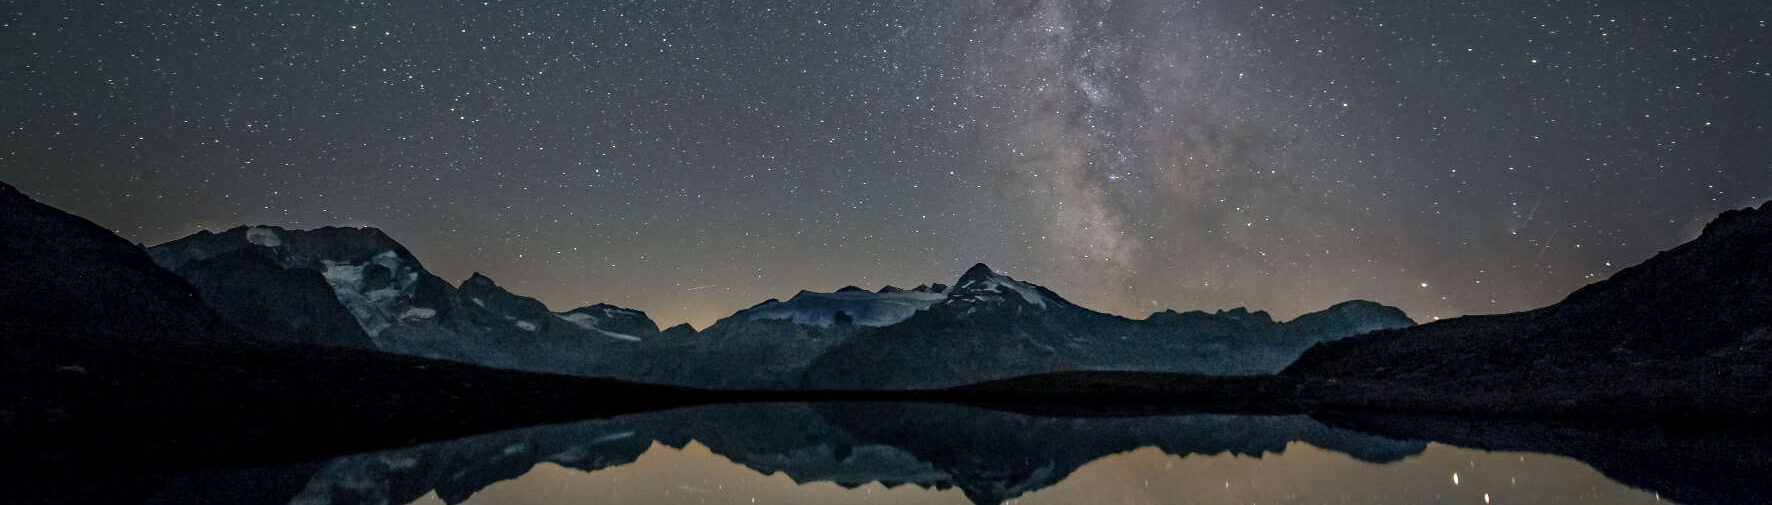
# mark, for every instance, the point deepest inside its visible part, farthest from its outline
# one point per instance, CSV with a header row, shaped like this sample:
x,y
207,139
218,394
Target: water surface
x,y
929,453
1301,474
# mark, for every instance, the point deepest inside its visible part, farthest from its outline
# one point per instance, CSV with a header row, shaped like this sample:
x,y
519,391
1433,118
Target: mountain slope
x,y
770,345
250,291
68,276
740,353
1689,329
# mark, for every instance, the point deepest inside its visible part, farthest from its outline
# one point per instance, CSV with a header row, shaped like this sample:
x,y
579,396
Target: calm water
x,y
1301,474
928,454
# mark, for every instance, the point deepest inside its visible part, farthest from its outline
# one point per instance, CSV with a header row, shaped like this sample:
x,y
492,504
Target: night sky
x,y
692,158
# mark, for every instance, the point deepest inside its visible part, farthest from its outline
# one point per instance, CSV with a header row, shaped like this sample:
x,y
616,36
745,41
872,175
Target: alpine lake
x,y
915,453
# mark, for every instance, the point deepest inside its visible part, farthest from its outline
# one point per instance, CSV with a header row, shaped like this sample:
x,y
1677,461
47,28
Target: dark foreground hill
x,y
1686,333
65,274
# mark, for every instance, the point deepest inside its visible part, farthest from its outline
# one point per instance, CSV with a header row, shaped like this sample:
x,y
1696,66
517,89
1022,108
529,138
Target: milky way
x,y
692,158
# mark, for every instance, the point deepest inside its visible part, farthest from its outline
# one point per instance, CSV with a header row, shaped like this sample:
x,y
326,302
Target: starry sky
x,y
692,158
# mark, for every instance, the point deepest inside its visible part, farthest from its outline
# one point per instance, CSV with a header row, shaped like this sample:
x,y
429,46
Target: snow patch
x,y
382,295
612,437
380,309
581,320
400,462
526,325
1027,292
419,313
617,336
341,274
259,235
388,259
589,322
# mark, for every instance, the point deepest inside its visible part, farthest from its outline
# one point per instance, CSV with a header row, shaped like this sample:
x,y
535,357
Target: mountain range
x,y
1687,333
273,283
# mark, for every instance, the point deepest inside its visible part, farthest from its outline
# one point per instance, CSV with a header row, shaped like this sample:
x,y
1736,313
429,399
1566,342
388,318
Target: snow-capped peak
x,y
978,273
611,321
980,283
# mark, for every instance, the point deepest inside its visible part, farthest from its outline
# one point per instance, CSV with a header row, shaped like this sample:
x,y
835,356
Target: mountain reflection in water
x,y
930,453
1302,474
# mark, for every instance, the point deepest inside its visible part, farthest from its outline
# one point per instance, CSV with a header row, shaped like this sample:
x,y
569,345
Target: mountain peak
x,y
1357,306
478,279
680,330
601,307
978,272
1244,313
